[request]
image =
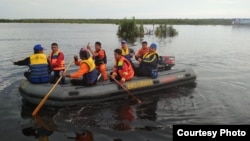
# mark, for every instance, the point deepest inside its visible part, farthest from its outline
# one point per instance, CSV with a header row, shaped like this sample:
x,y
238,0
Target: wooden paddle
x,y
39,106
124,88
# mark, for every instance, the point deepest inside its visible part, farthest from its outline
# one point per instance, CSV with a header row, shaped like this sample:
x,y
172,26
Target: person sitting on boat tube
x,y
148,63
38,66
144,49
87,70
100,59
56,59
123,69
127,52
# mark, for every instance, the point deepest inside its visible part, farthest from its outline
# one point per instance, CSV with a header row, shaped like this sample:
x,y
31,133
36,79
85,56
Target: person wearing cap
x,y
38,66
57,64
148,63
123,69
127,52
100,58
86,69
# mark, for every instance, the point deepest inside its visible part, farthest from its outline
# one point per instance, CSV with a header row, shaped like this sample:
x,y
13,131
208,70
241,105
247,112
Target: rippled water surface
x,y
219,54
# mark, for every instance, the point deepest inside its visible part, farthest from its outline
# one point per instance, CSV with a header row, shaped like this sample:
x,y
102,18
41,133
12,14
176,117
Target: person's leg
x,y
56,76
118,77
63,78
141,72
103,71
138,72
77,82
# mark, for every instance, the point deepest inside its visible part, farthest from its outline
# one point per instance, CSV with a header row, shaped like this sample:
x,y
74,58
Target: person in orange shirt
x,y
141,52
100,59
87,70
123,69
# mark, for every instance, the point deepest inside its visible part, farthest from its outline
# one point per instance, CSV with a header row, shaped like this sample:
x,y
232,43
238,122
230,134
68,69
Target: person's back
x,y
38,66
87,70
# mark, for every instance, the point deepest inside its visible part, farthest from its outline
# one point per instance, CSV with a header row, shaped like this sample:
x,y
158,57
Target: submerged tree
x,y
129,30
165,31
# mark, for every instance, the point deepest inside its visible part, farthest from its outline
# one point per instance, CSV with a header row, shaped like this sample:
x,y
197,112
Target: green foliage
x,y
141,30
165,31
129,30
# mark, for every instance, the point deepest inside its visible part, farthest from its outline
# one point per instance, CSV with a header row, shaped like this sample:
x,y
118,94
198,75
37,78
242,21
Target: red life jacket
x,y
53,59
127,73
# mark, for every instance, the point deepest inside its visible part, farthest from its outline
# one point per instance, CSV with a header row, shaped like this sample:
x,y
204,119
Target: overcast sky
x,y
91,9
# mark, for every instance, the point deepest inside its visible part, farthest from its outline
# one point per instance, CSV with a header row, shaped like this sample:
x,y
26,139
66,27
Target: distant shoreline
x,y
116,21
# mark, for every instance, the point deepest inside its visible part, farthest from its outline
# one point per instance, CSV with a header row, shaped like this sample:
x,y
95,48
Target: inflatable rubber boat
x,y
67,94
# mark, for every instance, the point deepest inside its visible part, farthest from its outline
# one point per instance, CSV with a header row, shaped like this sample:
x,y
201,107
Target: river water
x,y
219,54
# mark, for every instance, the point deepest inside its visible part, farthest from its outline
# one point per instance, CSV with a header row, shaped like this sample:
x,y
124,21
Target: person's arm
x,y
84,68
77,63
92,52
114,72
138,55
59,60
23,62
49,67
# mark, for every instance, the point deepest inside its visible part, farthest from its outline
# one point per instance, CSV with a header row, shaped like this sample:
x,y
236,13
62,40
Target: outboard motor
x,y
166,63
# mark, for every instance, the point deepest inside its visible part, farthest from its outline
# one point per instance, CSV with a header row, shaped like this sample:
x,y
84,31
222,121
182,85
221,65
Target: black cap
x,y
84,53
118,51
98,43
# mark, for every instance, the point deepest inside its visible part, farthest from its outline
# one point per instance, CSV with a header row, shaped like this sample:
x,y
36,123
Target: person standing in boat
x,y
148,63
57,64
143,50
38,63
123,69
100,58
87,70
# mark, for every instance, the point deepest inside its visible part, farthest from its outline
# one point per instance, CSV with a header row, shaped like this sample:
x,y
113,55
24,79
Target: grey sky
x,y
18,9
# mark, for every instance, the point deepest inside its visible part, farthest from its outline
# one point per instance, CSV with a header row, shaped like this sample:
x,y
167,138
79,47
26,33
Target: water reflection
x,y
82,123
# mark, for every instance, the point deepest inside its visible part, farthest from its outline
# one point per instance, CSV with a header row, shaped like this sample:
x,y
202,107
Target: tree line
x,y
117,21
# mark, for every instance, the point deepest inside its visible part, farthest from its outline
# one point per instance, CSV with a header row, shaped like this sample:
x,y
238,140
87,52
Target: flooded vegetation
x,y
165,31
129,30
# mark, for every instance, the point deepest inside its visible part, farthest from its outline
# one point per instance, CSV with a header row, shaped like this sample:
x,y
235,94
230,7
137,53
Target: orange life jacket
x,y
53,59
125,73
